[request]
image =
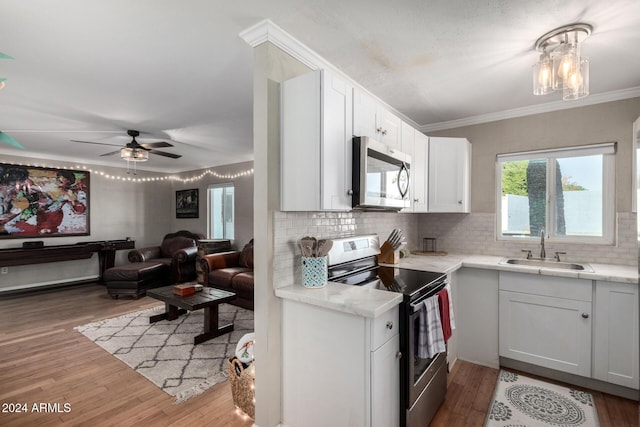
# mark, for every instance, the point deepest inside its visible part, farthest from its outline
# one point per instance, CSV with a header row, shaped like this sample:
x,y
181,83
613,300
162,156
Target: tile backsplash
x,y
455,233
289,227
475,234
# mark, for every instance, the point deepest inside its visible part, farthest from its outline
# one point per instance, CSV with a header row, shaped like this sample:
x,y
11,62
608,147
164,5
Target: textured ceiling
x,y
178,71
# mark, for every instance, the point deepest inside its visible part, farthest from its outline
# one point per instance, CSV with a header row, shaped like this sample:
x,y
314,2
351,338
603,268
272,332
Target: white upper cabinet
x,y
449,174
416,144
373,120
316,143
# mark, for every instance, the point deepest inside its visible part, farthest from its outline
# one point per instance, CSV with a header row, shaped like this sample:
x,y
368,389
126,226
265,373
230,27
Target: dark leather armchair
x,y
231,271
178,251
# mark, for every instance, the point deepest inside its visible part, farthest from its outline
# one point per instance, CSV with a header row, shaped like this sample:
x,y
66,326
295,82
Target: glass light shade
x,y
134,154
577,85
566,59
542,75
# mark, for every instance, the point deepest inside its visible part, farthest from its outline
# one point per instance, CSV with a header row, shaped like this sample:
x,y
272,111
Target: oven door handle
x,y
415,306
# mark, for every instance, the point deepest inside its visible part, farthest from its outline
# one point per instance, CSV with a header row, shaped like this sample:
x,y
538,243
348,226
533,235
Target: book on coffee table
x,y
185,289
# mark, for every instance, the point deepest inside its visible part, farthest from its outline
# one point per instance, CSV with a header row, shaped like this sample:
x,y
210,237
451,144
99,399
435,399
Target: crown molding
x,y
600,98
266,31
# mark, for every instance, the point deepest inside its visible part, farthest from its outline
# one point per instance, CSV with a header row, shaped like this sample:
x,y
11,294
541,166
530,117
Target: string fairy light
x,y
102,174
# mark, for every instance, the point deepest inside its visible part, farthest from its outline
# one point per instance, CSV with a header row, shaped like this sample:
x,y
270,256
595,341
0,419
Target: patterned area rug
x,y
163,352
523,401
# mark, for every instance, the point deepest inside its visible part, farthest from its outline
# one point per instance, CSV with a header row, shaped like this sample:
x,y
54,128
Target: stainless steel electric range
x,y
423,382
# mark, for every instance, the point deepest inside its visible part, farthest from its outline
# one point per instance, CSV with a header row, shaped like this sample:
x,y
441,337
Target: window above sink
x,y
568,193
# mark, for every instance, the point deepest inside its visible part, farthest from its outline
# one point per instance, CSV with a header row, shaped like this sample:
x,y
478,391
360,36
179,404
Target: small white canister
x,y
314,272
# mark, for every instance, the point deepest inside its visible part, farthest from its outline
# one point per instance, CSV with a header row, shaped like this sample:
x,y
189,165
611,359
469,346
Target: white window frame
x,y
209,213
608,151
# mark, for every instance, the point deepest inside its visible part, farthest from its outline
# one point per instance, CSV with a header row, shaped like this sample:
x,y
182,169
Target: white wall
x,y
476,232
243,199
117,209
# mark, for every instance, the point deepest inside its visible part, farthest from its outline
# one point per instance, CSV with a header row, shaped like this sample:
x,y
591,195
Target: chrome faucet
x,y
543,253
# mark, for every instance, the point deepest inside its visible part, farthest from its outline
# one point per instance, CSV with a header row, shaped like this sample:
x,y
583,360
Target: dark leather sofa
x,y
231,271
173,261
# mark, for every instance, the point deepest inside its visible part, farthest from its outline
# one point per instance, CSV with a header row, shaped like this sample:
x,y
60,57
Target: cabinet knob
x,y
384,132
459,202
389,325
585,315
350,192
379,130
416,200
399,355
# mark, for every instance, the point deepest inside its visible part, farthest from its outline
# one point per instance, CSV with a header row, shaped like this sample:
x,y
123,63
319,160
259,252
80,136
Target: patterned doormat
x,y
526,402
163,352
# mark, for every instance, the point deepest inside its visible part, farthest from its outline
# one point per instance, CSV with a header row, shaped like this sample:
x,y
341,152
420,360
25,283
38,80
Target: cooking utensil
x,y
306,246
324,246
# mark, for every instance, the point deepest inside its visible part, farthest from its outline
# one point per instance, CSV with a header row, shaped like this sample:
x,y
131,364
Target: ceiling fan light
x,y
577,83
134,154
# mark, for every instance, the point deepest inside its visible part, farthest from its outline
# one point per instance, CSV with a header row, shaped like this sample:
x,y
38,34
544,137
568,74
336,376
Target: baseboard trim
x,y
577,380
35,287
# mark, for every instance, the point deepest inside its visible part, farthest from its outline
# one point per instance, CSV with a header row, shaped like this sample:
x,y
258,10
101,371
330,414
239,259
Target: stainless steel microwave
x,y
380,177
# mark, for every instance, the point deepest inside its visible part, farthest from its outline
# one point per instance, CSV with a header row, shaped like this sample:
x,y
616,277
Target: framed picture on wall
x,y
187,203
43,202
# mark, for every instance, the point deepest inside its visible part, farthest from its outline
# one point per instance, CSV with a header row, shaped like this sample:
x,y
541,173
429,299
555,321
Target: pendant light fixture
x,y
560,66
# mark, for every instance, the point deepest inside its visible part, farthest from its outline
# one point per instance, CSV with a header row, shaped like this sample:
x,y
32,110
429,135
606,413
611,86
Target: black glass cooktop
x,y
411,283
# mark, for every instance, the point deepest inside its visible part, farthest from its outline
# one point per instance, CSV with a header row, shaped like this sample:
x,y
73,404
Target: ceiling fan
x,y
135,151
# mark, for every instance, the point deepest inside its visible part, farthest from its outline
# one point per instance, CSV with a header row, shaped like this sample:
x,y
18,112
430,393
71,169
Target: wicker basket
x,y
242,388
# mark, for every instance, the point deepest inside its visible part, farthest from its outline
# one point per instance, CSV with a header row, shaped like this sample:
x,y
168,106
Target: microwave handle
x,y
403,194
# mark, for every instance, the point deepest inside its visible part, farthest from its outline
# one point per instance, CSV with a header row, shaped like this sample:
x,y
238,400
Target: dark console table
x,y
106,250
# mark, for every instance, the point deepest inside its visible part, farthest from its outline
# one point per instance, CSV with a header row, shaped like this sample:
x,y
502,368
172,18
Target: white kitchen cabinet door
x,y
616,333
420,172
316,145
364,115
546,331
406,146
476,316
373,120
385,384
449,174
388,126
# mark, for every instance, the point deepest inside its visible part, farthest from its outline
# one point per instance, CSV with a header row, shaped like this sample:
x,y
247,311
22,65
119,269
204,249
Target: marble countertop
x,y
369,302
452,262
365,302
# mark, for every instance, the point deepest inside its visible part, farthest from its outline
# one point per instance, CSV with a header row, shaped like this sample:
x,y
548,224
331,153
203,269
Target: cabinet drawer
x,y
385,327
551,286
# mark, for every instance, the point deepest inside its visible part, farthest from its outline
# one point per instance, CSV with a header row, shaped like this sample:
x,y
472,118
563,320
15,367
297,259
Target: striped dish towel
x,y
430,337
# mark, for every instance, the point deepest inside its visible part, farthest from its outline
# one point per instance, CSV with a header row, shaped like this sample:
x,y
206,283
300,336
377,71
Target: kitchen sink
x,y
547,263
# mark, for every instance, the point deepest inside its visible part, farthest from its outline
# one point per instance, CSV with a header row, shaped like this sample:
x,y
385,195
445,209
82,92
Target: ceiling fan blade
x,y
97,143
158,144
7,139
110,153
165,154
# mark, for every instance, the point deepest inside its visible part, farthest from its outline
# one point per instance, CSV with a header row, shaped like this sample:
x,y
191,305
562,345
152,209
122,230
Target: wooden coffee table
x,y
208,299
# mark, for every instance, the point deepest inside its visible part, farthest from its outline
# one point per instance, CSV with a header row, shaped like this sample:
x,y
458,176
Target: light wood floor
x,y
43,360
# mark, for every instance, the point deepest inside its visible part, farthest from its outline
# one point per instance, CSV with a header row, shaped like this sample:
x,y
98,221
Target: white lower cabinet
x,y
546,321
339,369
476,316
616,333
385,380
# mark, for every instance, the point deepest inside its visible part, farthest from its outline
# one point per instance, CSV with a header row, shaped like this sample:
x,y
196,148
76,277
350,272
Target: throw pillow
x,y
246,256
